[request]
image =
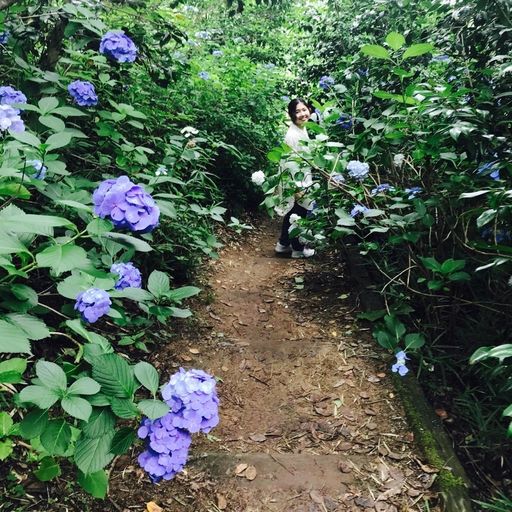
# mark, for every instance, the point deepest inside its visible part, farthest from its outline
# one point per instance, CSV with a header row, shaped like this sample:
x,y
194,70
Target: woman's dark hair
x,y
292,107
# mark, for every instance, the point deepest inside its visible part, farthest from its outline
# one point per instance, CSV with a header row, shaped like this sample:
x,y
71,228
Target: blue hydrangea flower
x,y
83,93
440,58
383,187
269,65
9,95
217,53
192,397
4,37
40,169
400,367
118,46
127,205
168,447
344,121
10,120
498,236
490,169
413,192
326,82
358,170
338,178
129,275
190,8
204,75
362,72
285,98
203,34
357,209
93,304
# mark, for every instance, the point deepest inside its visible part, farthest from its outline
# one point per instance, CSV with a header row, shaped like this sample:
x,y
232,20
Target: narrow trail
x,y
310,420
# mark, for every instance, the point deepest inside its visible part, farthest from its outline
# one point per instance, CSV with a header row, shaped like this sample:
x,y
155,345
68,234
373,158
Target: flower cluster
x,y
269,65
193,400
400,367
161,171
217,53
358,170
258,177
129,275
40,169
83,93
383,187
9,95
203,34
4,37
127,205
326,82
337,178
118,46
490,169
204,75
413,192
10,120
190,8
167,448
92,304
398,159
344,121
357,209
498,236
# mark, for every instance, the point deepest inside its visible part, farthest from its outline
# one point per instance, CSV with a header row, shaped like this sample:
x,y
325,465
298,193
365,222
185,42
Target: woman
x,y
300,114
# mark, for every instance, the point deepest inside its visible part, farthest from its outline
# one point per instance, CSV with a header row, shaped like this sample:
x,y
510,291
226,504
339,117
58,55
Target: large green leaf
x,y
96,484
38,224
395,40
41,396
10,244
6,424
114,375
14,190
55,123
34,327
147,375
93,454
84,386
100,422
124,407
158,283
33,424
48,469
122,440
47,104
61,258
416,50
56,437
128,241
58,140
375,50
51,375
11,371
153,409
13,339
77,407
27,138
178,294
6,448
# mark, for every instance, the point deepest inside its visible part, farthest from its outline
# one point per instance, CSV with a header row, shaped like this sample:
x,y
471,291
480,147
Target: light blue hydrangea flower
x,y
358,170
83,93
357,209
40,169
9,95
4,37
400,367
383,187
490,169
413,192
129,275
118,46
326,82
10,120
93,304
204,75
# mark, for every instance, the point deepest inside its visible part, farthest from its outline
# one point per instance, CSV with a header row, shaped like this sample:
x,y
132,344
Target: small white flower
x,y
188,131
398,159
161,171
258,177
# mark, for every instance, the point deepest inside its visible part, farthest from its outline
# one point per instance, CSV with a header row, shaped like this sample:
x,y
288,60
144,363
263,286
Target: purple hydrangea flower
x,y
399,367
10,95
10,120
4,37
83,93
40,169
358,170
168,447
92,304
127,205
129,275
383,187
118,46
413,192
490,169
344,121
357,209
326,82
204,75
193,399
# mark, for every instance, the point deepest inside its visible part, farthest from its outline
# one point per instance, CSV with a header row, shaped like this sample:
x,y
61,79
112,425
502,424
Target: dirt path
x,y
309,417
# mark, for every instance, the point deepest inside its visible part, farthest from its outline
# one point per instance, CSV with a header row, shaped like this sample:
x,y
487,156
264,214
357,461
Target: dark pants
x,y
285,237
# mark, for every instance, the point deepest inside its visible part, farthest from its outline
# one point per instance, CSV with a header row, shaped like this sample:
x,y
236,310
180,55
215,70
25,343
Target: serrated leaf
x,y
51,375
128,241
114,375
37,224
33,424
416,50
6,424
56,437
100,422
48,469
77,407
34,327
27,138
11,371
96,484
147,375
124,407
153,409
13,339
84,386
375,50
395,40
93,454
122,440
41,396
158,283
10,244
62,258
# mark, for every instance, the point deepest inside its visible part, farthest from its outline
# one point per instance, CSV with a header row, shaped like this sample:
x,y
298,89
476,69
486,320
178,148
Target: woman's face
x,y
302,114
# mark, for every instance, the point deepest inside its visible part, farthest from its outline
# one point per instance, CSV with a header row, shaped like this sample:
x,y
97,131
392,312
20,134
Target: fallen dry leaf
x,y
250,473
258,438
316,497
344,467
193,350
241,468
153,507
184,357
222,504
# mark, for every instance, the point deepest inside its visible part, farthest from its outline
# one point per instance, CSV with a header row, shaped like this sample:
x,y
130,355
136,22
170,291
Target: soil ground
x,y
310,420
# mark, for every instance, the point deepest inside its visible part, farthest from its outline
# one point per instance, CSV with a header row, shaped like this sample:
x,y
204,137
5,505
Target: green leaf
x,y
431,264
147,375
56,437
61,258
100,423
47,104
6,424
486,217
77,407
99,227
41,396
84,386
6,448
153,409
51,375
124,407
14,190
508,411
93,454
178,294
459,276
58,140
395,40
450,265
33,424
384,339
96,484
137,294
394,326
38,224
416,50
34,327
114,375
375,50
128,241
122,440
414,340
13,339
11,371
158,283
48,469
68,112
27,138
10,244
53,122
